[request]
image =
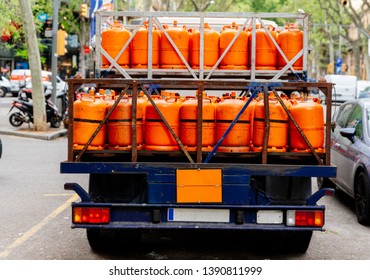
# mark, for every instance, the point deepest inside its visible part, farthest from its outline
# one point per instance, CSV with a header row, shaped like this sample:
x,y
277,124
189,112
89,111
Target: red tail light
x,y
91,215
304,218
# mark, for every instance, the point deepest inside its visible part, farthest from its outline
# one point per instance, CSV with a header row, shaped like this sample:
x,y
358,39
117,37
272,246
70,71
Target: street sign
x,y
42,17
338,64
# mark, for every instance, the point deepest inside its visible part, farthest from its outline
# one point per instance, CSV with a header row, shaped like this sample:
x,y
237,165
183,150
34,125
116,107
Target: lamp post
x,y
54,57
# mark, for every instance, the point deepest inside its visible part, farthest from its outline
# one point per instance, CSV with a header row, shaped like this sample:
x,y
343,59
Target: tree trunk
x,y
38,96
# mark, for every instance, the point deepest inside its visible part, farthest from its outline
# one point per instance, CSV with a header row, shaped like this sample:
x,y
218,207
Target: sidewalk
x,y
25,131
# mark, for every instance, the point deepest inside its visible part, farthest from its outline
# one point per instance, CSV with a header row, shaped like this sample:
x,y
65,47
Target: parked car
x,y
365,93
362,86
22,78
344,87
4,86
350,152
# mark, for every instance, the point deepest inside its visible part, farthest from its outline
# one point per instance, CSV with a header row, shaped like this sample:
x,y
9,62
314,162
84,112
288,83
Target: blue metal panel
x,y
235,194
161,192
236,179
246,169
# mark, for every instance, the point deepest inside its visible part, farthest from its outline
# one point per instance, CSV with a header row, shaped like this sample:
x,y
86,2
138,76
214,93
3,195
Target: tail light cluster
x,y
304,218
91,215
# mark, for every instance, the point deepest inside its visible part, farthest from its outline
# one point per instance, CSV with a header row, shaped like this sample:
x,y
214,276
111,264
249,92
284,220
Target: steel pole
x,y
54,56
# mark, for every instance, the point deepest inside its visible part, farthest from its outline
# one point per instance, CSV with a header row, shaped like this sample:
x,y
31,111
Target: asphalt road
x,y
35,218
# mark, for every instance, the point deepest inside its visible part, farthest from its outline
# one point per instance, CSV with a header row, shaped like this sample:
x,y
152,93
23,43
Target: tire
x,y
16,119
55,122
362,198
323,182
1,148
103,240
293,242
2,92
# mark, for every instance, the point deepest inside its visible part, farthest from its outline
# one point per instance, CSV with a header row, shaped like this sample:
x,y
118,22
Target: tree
x,y
35,66
342,17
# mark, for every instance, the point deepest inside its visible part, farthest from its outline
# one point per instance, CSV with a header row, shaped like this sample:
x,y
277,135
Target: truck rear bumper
x,y
196,216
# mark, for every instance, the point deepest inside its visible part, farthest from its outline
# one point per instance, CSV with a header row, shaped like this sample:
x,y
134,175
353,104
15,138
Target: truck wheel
x,y
284,241
362,198
97,240
298,241
323,182
101,240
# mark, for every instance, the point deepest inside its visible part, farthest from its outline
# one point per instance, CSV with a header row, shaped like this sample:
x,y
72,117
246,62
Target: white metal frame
x,y
215,20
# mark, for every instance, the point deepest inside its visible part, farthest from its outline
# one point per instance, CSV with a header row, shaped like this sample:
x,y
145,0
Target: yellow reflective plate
x,y
199,185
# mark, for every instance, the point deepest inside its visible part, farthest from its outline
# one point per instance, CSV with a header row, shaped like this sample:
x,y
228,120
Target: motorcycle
x,y
25,112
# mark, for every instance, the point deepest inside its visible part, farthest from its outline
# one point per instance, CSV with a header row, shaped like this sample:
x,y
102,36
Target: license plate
x,y
269,217
198,215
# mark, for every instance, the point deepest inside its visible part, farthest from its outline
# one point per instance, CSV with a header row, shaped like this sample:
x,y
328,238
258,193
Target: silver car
x,y
350,152
4,86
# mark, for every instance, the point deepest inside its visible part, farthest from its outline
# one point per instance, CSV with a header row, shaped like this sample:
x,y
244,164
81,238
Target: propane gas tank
x,y
290,41
139,48
120,124
113,40
88,112
309,115
278,133
237,56
157,136
266,52
169,58
239,137
188,123
211,47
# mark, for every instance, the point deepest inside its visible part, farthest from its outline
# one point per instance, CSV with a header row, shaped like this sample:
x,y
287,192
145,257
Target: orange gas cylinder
x,y
88,113
290,41
266,52
309,115
239,137
237,56
188,123
278,133
157,136
120,124
113,40
139,48
211,48
169,58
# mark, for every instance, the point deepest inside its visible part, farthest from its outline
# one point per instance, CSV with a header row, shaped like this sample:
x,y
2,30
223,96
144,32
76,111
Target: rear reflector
x,y
91,215
304,218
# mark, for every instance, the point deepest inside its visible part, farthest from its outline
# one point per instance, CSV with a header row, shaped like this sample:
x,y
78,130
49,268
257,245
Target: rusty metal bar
x,y
168,126
78,158
319,161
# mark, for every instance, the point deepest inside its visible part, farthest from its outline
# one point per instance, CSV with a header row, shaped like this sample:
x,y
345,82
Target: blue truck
x,y
138,188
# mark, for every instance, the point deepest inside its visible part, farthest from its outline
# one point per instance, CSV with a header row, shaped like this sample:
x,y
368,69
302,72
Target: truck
x,y
201,146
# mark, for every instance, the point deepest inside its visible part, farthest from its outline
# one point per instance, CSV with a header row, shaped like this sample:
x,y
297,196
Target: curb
x,y
36,135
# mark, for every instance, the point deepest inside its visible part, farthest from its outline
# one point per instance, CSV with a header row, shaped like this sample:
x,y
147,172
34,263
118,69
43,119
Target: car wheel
x,y
2,92
362,198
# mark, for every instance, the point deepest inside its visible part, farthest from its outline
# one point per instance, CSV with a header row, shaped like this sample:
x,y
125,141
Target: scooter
x,y
25,112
